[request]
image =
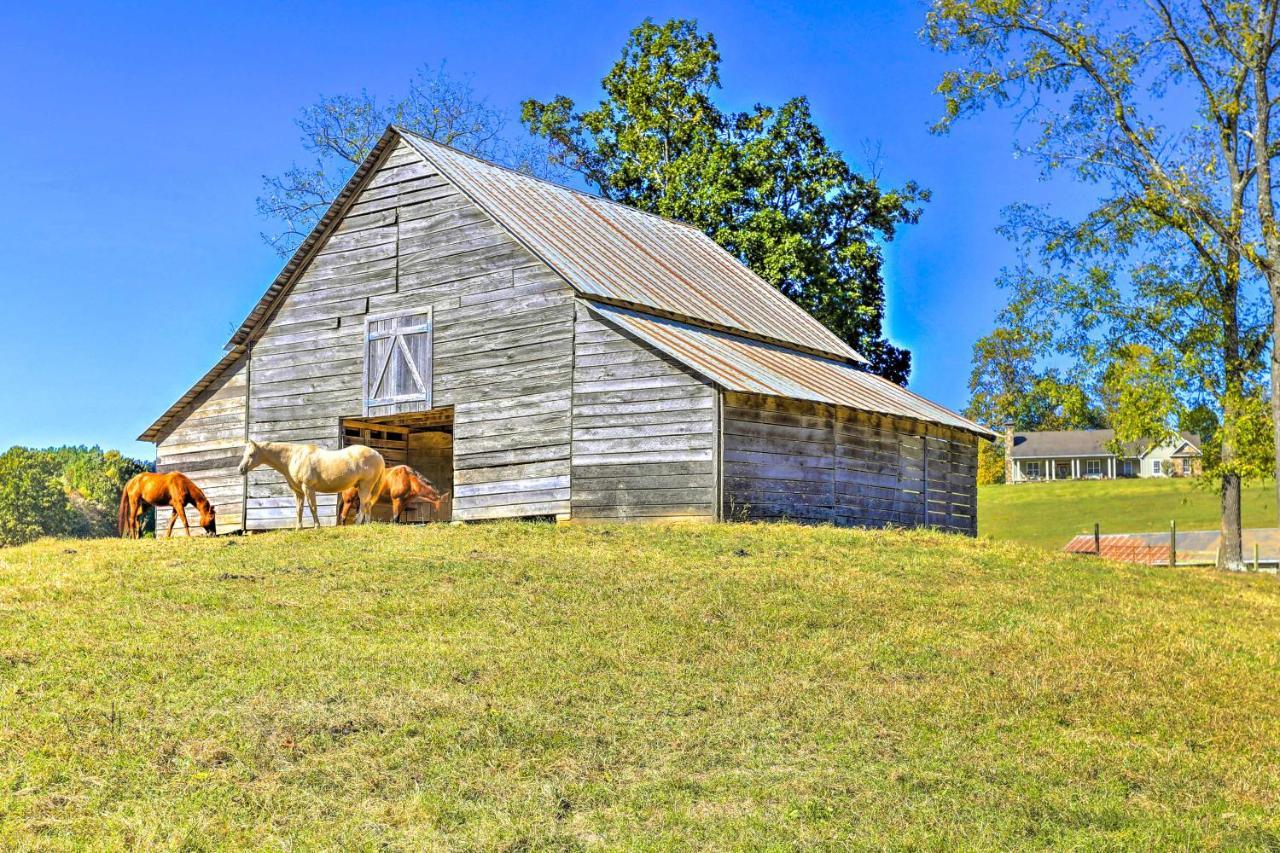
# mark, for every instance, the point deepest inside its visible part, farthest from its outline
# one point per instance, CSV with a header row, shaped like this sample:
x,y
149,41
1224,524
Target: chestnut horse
x,y
308,469
173,490
403,485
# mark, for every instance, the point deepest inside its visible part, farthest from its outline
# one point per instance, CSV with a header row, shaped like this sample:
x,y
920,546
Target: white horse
x,y
309,469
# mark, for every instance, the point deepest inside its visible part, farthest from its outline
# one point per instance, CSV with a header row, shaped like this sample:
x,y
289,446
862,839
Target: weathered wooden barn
x,y
545,353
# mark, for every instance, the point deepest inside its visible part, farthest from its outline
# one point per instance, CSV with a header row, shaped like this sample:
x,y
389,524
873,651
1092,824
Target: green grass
x,y
1049,514
538,687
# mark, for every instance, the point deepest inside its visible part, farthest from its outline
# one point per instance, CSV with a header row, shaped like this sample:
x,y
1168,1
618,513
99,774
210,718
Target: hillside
x,y
523,686
1049,514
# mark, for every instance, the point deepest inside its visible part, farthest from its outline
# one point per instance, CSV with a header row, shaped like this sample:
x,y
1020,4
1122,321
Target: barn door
x,y
397,362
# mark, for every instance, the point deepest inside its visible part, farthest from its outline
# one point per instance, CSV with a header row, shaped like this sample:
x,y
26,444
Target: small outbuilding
x,y
544,353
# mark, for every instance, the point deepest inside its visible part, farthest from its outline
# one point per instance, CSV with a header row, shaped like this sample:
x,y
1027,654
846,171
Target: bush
x,y
33,502
990,462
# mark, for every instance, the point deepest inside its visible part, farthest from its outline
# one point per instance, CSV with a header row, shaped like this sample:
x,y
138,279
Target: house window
x,y
1155,467
1093,468
1033,470
397,360
1186,467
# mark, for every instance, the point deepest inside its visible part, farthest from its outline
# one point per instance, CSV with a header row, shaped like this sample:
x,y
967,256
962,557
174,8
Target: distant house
x,y
1084,455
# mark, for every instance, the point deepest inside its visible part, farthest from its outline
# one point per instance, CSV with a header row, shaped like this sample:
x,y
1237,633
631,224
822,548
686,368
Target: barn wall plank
x,y
788,459
643,431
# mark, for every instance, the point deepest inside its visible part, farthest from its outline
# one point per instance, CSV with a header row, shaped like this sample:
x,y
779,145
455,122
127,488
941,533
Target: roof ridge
x,y
579,192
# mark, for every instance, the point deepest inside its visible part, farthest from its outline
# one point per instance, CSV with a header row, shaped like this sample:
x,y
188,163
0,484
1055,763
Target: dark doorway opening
x,y
421,440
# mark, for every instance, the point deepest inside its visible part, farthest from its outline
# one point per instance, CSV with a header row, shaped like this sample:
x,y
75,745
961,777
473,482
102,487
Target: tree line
x,y
62,491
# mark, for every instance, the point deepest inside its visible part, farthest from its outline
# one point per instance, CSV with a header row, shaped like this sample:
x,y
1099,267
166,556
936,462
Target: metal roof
x,y
1080,442
614,253
740,364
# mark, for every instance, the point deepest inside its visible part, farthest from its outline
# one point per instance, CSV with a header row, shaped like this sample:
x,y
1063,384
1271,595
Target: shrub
x,y
33,502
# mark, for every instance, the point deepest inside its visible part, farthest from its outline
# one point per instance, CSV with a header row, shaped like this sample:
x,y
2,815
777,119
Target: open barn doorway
x,y
421,440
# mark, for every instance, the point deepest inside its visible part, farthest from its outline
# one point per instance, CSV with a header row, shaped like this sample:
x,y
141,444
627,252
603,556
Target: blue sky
x,y
136,137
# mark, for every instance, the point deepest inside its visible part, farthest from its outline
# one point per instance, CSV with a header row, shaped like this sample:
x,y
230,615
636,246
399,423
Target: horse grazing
x,y
403,485
309,469
173,490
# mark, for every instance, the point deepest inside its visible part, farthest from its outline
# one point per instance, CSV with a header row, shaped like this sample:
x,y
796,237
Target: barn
x,y
544,353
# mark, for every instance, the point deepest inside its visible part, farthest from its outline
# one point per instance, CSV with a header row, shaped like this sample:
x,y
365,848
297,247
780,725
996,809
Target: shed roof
x,y
1079,442
740,364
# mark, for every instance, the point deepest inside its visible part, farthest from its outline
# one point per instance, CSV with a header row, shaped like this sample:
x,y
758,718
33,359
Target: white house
x,y
1084,455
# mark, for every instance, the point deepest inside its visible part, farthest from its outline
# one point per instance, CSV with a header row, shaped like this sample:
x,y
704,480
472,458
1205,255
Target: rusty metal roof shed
x,y
739,364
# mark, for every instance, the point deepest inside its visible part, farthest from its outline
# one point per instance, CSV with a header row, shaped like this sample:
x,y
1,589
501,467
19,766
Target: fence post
x,y
1097,539
1255,556
1173,543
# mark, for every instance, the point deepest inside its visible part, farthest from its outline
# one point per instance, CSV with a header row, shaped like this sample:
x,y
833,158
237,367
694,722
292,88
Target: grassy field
x,y
1049,514
532,687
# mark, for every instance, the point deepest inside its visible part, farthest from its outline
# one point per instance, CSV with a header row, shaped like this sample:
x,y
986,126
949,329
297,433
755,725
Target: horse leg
x,y
365,514
300,498
135,520
397,507
173,519
311,501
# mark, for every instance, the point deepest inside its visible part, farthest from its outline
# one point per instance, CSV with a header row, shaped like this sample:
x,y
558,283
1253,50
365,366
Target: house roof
x,y
740,364
711,311
616,254
1081,442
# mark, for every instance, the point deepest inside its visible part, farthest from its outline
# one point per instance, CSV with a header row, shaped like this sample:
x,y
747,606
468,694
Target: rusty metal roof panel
x,y
612,252
739,364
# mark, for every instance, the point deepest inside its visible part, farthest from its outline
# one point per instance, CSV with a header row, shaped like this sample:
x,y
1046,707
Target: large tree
x,y
1165,107
339,131
764,183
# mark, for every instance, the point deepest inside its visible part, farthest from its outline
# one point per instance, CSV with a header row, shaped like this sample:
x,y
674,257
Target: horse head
x,y
208,518
252,457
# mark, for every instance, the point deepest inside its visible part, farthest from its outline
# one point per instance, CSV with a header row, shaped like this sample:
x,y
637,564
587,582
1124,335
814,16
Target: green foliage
x,y
991,463
612,687
1009,384
763,184
32,500
1139,385
62,491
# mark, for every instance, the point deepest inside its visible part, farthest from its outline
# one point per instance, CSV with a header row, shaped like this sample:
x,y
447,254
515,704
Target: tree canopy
x,y
763,183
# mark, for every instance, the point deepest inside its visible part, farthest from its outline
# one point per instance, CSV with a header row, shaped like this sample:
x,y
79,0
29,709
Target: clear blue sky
x,y
136,136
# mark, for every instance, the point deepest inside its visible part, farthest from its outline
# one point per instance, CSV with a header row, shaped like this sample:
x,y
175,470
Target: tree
x,y
1172,233
32,501
1010,386
339,131
764,184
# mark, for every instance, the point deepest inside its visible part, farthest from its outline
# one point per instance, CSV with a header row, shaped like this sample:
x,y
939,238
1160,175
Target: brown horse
x,y
403,485
173,490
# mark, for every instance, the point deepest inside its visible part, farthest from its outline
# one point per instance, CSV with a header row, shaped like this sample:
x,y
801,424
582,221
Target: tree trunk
x,y
1275,404
1231,549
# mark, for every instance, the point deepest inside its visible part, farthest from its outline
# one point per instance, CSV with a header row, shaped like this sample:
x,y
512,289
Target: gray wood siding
x,y
818,463
644,431
502,345
206,446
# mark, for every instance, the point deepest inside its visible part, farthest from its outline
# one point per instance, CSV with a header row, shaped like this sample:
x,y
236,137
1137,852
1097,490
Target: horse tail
x,y
123,518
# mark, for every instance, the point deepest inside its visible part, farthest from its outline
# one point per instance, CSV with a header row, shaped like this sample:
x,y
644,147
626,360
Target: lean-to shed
x,y
545,353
